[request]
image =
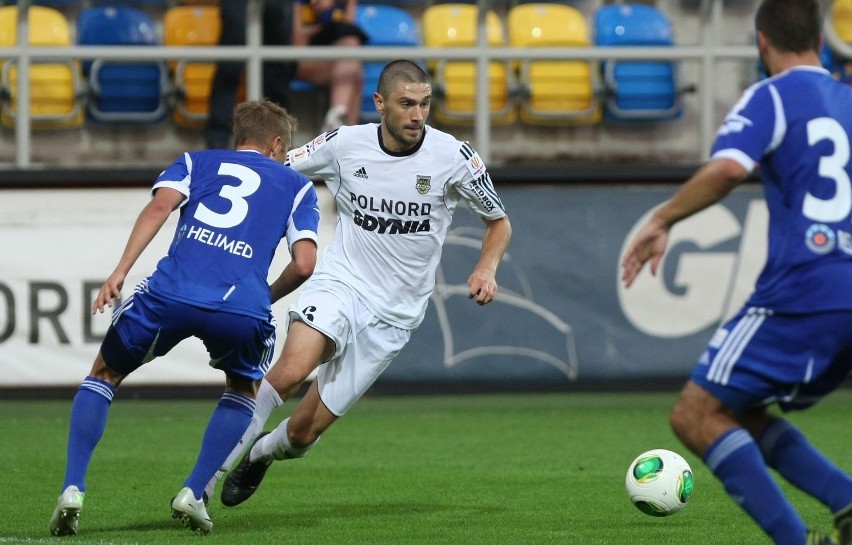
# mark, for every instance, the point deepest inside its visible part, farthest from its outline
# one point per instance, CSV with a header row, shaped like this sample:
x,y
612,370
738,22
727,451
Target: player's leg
x,y
89,412
339,384
734,378
226,426
304,349
709,429
827,344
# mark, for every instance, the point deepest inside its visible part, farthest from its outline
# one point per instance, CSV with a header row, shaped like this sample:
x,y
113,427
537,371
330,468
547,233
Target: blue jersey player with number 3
x,y
235,208
791,344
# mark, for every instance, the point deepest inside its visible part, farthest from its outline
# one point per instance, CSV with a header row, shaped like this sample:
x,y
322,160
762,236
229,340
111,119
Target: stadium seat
x,y
56,96
644,91
187,26
123,91
386,26
554,92
841,18
456,25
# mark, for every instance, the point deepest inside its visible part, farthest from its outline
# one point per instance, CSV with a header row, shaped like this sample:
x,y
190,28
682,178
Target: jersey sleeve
x,y
317,158
304,220
177,176
474,185
754,127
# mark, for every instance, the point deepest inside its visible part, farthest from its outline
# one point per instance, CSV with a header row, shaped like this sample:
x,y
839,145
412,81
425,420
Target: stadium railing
x,y
708,53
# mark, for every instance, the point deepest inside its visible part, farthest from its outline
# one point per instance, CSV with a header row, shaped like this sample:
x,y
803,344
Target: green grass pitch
x,y
486,469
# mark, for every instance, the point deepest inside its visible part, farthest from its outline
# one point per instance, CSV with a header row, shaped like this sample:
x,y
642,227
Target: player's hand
x,y
109,291
483,287
649,244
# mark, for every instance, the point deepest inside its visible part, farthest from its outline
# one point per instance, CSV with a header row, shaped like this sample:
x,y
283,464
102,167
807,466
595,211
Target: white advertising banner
x,y
57,247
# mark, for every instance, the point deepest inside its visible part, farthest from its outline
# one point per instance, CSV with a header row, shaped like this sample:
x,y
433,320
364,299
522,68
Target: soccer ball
x,y
659,482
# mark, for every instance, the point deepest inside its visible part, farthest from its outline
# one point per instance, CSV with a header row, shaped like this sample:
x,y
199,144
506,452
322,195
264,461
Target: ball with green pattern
x,y
659,482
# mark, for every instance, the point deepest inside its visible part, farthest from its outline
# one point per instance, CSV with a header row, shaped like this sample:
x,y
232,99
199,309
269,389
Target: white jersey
x,y
393,212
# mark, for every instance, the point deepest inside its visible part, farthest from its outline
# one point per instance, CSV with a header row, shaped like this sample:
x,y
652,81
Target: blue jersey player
x,y
791,344
235,208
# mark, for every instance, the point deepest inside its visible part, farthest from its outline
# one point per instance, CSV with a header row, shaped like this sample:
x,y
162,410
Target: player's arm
x,y
147,225
300,268
710,184
483,282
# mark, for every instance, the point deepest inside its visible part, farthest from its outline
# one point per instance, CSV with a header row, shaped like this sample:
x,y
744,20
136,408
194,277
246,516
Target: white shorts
x,y
364,345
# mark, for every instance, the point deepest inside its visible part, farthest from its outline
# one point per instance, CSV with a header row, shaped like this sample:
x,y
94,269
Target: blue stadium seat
x,y
386,26
123,91
644,91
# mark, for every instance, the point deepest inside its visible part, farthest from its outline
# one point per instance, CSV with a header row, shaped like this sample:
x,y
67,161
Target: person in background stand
x,y
276,28
330,22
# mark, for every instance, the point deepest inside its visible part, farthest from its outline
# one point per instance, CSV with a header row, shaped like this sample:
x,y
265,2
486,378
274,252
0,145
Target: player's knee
x,y
681,418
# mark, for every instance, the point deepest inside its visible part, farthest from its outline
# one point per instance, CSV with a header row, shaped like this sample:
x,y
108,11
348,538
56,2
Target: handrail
x,y
254,54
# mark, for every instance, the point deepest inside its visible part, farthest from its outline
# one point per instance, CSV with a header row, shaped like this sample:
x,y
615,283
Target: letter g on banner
x,y
703,278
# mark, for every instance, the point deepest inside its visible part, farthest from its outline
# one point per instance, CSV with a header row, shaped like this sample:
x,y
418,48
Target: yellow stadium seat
x,y
556,92
455,25
186,26
56,95
841,16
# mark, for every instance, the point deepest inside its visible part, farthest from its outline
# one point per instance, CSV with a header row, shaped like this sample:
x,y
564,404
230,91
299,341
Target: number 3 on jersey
x,y
249,183
833,167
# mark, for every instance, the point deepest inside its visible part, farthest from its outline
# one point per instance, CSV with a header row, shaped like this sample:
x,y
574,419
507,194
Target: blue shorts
x,y
761,358
147,326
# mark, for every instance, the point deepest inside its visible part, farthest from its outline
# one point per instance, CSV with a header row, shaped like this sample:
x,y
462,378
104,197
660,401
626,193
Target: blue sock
x,y
226,426
88,420
788,452
736,460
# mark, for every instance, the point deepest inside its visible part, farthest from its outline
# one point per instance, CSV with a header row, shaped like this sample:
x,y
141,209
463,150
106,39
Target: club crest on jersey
x,y
820,239
424,184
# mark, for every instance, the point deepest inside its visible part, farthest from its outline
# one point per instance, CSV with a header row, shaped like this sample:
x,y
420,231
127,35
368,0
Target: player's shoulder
x,y
443,142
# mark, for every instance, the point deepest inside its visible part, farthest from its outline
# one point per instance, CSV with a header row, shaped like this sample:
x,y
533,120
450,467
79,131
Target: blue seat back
x,y
638,90
386,25
122,91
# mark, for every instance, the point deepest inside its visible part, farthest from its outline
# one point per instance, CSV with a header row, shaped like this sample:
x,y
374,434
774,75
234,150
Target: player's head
x,y
403,98
264,125
790,26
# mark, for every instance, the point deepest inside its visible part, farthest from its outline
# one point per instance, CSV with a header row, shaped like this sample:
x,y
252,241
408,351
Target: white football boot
x,y
191,512
66,516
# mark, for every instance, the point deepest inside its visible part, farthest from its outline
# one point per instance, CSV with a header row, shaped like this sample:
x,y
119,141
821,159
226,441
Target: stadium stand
x,y
123,92
386,25
637,90
55,87
191,25
454,82
841,17
553,91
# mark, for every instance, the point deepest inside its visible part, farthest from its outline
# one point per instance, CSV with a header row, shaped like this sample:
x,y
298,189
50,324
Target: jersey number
x,y
250,182
832,167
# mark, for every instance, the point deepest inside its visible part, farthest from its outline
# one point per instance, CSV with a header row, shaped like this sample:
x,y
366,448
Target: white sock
x,y
267,401
276,446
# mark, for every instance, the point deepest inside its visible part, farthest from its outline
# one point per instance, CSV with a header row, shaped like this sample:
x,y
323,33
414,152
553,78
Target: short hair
x,y
793,26
401,69
258,121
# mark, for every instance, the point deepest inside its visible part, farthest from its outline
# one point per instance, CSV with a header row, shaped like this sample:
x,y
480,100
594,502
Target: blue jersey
x,y
238,207
797,126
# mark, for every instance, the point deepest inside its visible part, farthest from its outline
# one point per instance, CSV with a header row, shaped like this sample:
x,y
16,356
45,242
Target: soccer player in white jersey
x,y
791,344
396,184
235,208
